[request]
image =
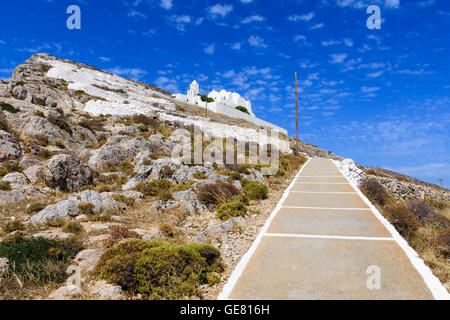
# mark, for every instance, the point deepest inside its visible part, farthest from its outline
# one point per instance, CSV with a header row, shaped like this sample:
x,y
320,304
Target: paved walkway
x,y
320,243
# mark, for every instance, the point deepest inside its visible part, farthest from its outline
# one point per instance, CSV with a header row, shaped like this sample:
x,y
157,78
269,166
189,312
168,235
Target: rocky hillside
x,y
86,168
88,184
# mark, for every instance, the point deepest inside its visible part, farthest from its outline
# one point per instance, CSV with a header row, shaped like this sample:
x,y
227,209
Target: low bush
x,y
242,109
31,260
5,186
9,108
200,176
119,232
166,195
402,219
231,210
443,244
128,201
86,208
216,193
166,172
159,270
154,187
62,124
9,167
175,272
167,230
73,227
255,191
13,226
116,265
35,206
422,210
374,191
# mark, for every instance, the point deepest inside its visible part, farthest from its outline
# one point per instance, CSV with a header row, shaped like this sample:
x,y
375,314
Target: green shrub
x,y
216,193
166,195
13,226
59,144
175,272
116,265
167,230
62,124
39,114
231,210
154,187
373,190
402,219
255,191
184,186
128,201
86,208
200,176
5,186
73,227
9,108
45,154
242,109
35,206
205,98
166,172
30,258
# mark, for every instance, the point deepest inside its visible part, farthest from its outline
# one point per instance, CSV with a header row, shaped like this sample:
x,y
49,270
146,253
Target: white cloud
x,y
180,22
133,73
105,59
221,10
303,17
166,4
256,41
236,46
136,14
210,49
327,43
252,19
338,57
317,26
392,4
348,42
369,89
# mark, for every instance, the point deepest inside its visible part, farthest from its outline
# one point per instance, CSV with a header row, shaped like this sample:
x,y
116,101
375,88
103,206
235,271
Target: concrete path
x,y
324,242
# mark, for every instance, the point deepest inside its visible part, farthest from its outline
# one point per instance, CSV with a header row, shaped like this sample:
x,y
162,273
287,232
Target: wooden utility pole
x,y
207,96
296,111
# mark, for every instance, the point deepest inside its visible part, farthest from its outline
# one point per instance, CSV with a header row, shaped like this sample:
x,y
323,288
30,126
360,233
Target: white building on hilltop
x,y
225,103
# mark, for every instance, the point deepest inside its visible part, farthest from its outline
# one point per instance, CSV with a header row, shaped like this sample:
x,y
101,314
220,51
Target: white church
x,y
225,103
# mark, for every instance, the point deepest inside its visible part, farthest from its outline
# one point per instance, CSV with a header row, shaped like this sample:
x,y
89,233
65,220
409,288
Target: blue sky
x,y
381,97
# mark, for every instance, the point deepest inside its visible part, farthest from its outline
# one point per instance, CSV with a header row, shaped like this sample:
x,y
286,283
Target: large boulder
x,y
64,209
117,149
16,180
21,194
35,173
67,173
9,147
93,197
19,92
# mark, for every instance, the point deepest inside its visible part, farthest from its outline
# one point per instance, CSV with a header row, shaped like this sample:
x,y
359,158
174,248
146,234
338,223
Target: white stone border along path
x,y
432,282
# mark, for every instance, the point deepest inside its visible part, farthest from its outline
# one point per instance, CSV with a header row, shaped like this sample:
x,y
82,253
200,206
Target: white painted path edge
x,y
433,283
231,283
